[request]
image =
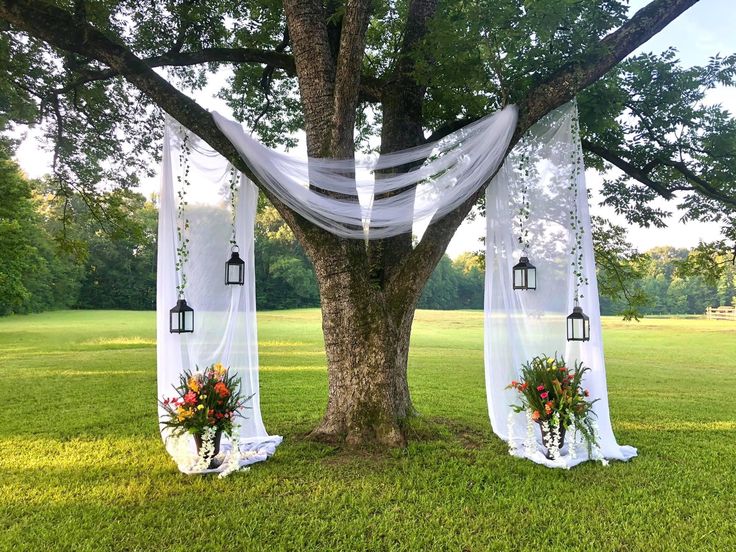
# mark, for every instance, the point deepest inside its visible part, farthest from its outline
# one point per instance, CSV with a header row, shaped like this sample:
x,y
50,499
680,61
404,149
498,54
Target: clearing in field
x,y
83,463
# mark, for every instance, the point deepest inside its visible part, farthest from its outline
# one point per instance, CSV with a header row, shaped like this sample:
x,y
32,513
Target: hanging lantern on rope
x,y
578,325
181,318
235,269
525,274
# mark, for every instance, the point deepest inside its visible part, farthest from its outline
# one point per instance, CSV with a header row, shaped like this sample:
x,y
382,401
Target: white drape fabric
x,y
198,183
370,200
545,173
540,185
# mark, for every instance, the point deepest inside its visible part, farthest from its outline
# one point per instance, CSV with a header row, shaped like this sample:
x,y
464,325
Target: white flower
x,y
530,445
232,463
206,451
510,432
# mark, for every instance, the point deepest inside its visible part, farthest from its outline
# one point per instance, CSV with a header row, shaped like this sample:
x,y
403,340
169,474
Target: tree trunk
x,y
366,331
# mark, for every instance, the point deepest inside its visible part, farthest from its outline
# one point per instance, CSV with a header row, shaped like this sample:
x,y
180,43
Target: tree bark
x,y
366,331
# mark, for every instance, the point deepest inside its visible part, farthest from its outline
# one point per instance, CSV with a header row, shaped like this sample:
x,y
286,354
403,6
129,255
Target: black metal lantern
x,y
181,318
235,269
578,325
525,275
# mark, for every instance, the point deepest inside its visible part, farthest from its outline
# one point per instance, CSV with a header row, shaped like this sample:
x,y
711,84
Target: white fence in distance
x,y
721,313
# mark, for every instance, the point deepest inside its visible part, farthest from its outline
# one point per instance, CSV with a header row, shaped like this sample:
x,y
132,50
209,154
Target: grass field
x,y
82,466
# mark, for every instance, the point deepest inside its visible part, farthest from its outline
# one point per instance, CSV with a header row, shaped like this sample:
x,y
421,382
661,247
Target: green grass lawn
x,y
82,466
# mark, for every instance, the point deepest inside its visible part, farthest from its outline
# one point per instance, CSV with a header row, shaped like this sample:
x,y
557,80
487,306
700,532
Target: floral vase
x,y
214,462
548,435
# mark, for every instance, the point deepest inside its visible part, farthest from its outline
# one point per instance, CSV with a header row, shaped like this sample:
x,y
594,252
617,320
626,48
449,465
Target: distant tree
x,y
471,280
284,276
34,274
120,270
441,291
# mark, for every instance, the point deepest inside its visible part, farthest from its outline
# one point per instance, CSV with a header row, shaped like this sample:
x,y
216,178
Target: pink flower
x,y
540,388
190,398
544,395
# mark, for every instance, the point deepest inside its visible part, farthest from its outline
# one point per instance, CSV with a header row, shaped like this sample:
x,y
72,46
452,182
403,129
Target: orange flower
x,y
535,415
221,389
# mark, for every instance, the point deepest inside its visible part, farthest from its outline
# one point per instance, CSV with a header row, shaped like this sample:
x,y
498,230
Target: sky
x,y
701,32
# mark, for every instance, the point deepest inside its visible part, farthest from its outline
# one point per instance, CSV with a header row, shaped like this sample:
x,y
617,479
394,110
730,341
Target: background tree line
x,y
60,252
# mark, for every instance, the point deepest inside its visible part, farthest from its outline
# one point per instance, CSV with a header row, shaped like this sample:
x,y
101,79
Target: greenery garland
x,y
182,225
576,160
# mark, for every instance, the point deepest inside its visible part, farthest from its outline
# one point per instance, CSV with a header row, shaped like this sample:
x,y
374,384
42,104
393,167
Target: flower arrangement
x,y
206,405
552,395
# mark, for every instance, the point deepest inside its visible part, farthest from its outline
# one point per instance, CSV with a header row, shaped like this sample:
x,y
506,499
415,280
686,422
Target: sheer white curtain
x,y
225,316
444,174
545,172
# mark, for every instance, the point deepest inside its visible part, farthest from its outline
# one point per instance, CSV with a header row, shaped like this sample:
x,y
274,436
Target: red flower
x,y
523,386
190,398
540,388
586,393
514,384
544,395
221,389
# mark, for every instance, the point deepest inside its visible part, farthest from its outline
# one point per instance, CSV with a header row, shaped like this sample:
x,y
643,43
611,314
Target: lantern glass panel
x,y
577,328
519,278
233,274
188,321
531,275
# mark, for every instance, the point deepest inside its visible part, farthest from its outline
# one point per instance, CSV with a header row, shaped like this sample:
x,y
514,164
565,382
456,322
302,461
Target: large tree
x,y
98,74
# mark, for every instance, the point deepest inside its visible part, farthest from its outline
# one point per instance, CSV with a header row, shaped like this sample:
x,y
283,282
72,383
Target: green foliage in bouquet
x,y
552,392
208,399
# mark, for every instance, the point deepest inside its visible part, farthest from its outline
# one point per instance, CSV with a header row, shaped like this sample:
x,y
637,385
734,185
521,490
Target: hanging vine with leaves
x,y
525,207
233,203
576,162
182,221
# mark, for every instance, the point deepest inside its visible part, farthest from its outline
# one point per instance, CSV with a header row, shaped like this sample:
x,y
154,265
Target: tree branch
x,y
347,76
642,175
183,59
601,58
560,88
59,28
370,89
700,184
